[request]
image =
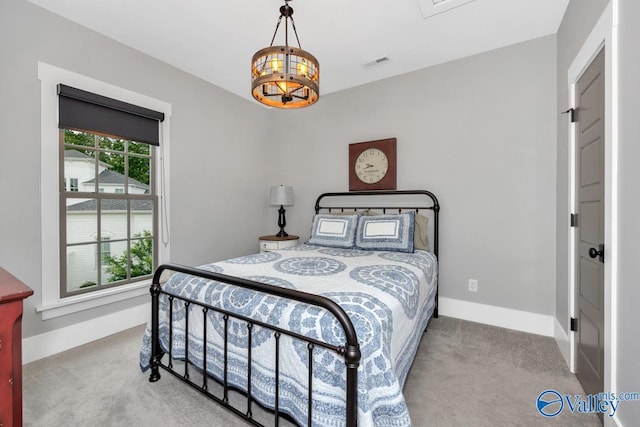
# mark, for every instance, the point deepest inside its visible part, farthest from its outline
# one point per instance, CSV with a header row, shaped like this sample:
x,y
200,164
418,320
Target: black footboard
x,y
350,351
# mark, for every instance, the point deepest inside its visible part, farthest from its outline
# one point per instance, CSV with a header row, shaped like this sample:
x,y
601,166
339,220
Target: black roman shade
x,y
86,111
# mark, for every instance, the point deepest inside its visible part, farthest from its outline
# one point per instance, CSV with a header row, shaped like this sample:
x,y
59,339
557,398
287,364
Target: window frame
x,y
53,304
99,195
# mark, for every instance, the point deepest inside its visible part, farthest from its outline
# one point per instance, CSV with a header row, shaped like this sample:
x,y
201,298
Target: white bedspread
x,y
389,297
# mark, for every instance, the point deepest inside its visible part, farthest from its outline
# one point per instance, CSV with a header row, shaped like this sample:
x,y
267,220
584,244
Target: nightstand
x,y
270,243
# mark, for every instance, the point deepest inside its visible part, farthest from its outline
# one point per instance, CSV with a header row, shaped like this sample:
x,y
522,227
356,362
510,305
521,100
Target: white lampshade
x,y
281,195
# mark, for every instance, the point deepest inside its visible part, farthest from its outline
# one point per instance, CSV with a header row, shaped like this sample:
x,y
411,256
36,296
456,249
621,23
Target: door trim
x,y
604,34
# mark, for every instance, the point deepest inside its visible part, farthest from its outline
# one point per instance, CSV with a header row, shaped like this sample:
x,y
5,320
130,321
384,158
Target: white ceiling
x,y
215,39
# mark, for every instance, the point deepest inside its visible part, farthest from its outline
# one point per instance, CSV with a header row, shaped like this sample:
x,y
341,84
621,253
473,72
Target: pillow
x,y
421,239
336,231
386,232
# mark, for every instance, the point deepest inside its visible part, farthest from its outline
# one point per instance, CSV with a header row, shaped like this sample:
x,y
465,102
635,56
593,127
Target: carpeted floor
x,y
465,374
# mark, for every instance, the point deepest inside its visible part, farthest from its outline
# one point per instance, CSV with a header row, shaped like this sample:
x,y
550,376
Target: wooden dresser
x,y
12,292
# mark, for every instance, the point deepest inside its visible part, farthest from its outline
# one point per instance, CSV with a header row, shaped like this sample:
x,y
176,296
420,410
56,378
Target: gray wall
x,y
628,348
480,133
576,25
214,205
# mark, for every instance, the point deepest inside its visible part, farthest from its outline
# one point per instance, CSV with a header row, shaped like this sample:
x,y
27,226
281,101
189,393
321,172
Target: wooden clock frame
x,y
388,182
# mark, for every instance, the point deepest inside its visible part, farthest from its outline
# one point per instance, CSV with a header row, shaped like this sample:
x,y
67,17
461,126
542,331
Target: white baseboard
x,y
56,341
524,321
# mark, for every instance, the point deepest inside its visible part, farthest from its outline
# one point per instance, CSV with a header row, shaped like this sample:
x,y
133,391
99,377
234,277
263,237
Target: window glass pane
x,y
112,144
79,139
82,270
139,175
79,169
111,169
115,264
141,257
141,218
139,148
113,219
82,221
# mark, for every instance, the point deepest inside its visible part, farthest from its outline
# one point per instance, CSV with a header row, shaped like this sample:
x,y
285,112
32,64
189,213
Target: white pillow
x,y
386,232
336,231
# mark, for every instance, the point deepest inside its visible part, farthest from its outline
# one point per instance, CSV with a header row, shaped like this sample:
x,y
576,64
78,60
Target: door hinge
x,y
573,324
573,221
572,114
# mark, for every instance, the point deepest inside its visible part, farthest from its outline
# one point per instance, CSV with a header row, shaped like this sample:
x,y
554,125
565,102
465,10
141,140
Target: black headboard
x,y
384,200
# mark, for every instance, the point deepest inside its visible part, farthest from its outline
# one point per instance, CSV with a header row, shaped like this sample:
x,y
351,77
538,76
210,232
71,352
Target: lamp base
x,y
281,222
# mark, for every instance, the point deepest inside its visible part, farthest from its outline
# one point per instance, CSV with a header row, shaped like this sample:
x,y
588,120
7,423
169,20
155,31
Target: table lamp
x,y
281,195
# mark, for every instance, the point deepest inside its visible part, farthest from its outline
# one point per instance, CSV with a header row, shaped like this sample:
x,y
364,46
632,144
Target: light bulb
x,y
303,68
275,64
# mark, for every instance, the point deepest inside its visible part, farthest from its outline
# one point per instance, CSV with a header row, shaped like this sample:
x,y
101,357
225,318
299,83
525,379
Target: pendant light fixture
x,y
285,76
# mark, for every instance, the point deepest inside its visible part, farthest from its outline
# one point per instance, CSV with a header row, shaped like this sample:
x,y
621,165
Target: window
x,y
116,199
106,250
56,301
109,146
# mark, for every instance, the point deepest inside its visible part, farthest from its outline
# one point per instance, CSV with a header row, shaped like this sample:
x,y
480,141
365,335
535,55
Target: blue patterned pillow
x,y
386,232
336,231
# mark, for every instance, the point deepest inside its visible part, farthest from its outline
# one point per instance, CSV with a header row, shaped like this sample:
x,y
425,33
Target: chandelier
x,y
285,76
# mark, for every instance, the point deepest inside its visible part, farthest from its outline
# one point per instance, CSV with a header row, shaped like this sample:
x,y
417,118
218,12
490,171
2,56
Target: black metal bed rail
x,y
350,351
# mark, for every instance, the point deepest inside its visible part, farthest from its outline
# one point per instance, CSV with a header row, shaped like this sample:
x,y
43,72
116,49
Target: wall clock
x,y
372,165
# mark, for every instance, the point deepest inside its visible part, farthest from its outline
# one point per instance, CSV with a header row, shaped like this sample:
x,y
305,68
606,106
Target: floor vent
x,y
376,62
430,8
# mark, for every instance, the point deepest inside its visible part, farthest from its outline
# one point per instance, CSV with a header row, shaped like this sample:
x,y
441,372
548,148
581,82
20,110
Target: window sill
x,y
70,305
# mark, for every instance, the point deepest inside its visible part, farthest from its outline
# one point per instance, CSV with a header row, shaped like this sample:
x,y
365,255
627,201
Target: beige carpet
x,y
465,374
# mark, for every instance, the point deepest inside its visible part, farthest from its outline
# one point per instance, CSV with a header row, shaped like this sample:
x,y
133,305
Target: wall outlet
x,y
473,285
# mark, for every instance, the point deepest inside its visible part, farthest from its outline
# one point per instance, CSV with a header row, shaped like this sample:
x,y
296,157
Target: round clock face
x,y
371,166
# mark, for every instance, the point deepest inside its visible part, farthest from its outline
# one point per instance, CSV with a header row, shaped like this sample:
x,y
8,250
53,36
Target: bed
x,y
323,333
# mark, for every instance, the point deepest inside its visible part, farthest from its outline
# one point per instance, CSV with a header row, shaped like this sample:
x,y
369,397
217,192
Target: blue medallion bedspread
x,y
389,297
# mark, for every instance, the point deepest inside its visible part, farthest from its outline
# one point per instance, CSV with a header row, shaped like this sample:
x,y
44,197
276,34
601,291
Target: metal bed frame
x,y
350,351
